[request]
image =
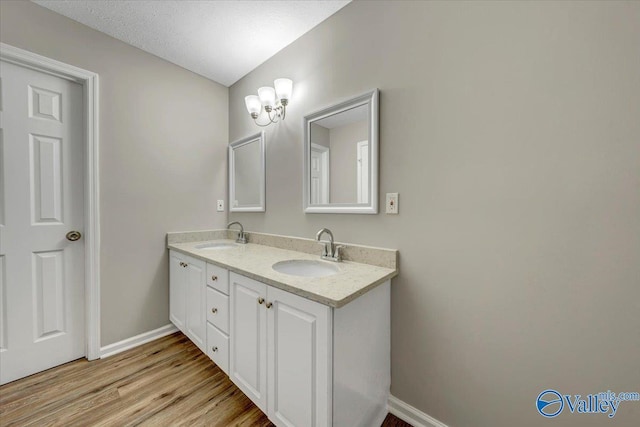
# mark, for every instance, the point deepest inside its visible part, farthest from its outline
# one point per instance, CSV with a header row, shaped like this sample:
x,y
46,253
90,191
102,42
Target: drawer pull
x,y
269,305
214,278
214,349
214,310
260,300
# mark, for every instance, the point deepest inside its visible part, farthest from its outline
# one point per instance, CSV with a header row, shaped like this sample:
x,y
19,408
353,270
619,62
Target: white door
x,y
362,171
299,357
319,174
248,338
41,194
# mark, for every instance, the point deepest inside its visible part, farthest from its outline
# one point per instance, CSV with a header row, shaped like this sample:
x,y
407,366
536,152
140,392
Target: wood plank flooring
x,y
168,382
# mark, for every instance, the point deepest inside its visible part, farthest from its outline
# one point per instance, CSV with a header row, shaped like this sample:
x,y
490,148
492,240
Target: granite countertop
x,y
255,261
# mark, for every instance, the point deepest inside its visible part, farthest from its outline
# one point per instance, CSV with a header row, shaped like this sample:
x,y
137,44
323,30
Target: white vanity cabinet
x,y
187,286
288,353
199,305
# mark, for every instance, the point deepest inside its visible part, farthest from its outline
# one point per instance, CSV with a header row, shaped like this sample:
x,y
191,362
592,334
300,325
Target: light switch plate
x,y
392,203
220,206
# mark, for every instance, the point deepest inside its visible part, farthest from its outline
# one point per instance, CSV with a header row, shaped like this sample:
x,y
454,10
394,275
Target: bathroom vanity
x,y
307,341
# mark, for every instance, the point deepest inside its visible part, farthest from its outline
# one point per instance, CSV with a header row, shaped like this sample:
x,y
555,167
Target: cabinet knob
x,y
214,349
214,310
269,305
260,300
214,278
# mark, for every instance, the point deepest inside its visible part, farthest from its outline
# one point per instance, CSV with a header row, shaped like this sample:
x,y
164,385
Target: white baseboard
x,y
129,343
411,415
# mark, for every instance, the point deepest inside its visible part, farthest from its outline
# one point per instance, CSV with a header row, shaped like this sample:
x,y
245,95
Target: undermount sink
x,y
306,268
217,245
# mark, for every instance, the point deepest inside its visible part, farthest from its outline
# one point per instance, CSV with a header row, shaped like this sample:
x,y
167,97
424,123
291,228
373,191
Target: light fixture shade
x,y
267,96
253,104
284,88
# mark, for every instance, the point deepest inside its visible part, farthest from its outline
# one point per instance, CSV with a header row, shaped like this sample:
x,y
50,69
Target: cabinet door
x,y
299,360
248,338
196,302
177,290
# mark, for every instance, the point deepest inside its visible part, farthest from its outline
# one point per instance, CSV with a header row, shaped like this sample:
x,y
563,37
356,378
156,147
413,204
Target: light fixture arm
x,y
275,115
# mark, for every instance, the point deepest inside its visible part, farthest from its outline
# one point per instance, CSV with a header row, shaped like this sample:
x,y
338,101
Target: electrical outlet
x,y
220,206
392,203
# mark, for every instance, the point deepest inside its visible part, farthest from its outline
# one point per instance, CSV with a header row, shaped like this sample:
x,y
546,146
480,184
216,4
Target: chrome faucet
x,y
330,251
242,238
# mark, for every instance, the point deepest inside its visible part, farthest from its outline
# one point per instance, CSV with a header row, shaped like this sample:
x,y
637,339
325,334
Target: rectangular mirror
x,y
247,174
341,157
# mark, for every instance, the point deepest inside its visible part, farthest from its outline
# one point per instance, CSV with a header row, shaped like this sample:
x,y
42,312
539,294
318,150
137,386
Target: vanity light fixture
x,y
273,99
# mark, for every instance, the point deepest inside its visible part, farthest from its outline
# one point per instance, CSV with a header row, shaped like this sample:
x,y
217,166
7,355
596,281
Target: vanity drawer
x,y
218,310
218,278
218,347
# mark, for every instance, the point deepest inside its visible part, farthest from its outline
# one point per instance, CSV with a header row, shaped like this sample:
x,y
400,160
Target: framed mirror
x,y
247,174
341,157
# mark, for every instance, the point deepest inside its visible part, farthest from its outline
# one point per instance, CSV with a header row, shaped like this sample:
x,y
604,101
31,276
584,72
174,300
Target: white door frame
x,y
89,82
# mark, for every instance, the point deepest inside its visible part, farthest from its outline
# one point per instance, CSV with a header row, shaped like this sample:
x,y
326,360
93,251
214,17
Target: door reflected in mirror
x,y
340,154
341,157
247,174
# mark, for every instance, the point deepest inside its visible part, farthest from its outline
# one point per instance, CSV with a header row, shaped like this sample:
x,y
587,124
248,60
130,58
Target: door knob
x,y
74,235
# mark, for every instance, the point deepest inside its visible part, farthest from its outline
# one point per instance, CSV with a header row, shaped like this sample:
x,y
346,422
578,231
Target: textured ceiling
x,y
221,40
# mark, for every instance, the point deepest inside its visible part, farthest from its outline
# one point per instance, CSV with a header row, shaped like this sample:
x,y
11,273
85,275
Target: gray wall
x,y
163,140
344,154
320,135
511,132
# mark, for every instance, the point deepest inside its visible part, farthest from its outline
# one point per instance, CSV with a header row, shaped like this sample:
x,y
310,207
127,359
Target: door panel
x,y
248,355
196,302
299,357
49,303
46,179
42,195
177,290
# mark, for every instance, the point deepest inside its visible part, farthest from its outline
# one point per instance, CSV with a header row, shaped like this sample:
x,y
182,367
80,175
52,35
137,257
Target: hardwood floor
x,y
168,382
